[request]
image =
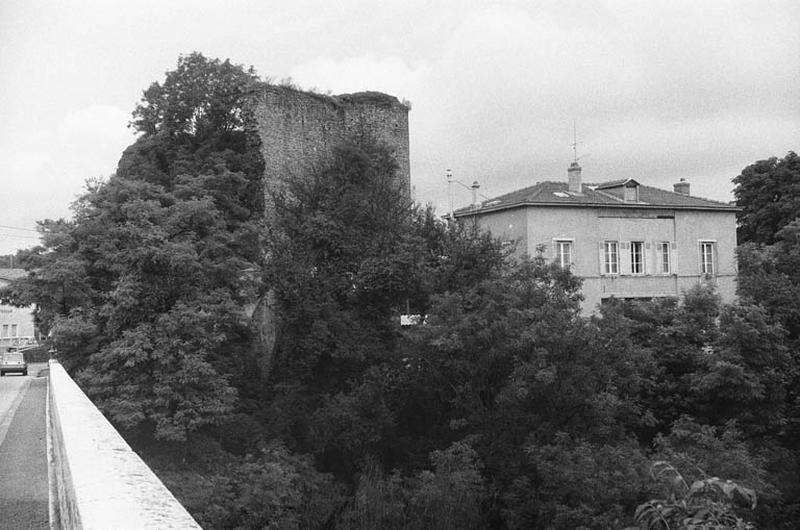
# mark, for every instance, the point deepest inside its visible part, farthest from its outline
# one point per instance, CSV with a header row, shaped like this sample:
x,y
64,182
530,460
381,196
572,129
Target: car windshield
x,y
12,357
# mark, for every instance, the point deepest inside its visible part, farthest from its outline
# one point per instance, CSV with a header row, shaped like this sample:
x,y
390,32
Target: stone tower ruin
x,y
299,130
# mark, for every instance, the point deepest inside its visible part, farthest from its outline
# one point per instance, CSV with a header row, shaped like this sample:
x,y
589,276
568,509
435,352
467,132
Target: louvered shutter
x,y
673,255
649,249
625,258
700,257
601,257
659,257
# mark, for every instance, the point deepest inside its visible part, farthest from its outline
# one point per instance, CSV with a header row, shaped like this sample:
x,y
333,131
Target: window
x,y
563,253
663,257
637,257
13,330
610,257
631,194
5,331
707,257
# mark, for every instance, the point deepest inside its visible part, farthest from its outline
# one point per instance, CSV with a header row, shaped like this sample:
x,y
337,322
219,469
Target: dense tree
x,y
768,192
143,289
728,404
767,338
348,255
201,97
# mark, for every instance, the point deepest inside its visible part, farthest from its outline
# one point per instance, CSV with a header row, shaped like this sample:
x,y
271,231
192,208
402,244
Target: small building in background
x,y
624,239
16,324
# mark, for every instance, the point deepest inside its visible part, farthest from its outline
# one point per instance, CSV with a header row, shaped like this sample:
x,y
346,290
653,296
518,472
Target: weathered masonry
x,y
298,130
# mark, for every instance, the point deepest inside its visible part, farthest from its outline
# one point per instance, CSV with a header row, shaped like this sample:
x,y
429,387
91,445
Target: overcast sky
x,y
658,90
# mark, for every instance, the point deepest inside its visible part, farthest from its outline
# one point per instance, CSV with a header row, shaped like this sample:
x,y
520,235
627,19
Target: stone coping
x,y
99,482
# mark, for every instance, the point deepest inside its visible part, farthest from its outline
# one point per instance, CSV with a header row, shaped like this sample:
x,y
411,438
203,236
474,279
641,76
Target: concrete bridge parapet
x,y
96,480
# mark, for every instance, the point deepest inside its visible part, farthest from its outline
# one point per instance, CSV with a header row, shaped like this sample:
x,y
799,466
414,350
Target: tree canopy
x,y
143,289
768,191
201,97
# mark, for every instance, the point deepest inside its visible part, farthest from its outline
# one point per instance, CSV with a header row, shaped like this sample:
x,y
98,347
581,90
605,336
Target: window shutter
x,y
715,258
649,250
673,258
625,258
700,257
601,257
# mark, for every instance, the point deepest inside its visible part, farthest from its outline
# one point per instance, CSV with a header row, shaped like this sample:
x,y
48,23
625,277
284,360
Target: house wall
x,y
510,225
22,318
588,227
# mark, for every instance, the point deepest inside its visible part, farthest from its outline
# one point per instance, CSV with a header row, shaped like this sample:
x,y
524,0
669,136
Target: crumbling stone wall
x,y
298,130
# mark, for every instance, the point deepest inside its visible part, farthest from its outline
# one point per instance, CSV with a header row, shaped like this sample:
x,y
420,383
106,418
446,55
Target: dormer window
x,y
631,191
626,189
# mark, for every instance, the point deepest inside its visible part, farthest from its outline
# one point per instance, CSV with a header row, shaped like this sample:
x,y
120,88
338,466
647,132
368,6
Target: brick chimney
x,y
574,178
475,186
681,187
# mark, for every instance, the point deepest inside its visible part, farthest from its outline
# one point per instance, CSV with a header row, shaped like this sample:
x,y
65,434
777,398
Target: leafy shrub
x,y
706,504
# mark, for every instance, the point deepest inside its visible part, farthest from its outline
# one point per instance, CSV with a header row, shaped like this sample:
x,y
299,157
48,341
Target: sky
x,y
653,90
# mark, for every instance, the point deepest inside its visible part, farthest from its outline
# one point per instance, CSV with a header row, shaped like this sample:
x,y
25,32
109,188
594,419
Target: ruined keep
x,y
298,130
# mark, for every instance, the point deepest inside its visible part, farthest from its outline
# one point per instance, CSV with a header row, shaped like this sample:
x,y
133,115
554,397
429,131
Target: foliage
x,y
705,504
749,371
347,255
334,262
276,489
143,288
450,496
268,488
703,450
770,276
768,192
201,96
578,484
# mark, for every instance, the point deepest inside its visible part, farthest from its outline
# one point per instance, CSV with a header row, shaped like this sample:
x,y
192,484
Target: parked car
x,y
13,362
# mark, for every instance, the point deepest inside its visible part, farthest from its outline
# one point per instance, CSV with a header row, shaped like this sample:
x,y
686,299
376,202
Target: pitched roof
x,y
12,274
550,193
617,184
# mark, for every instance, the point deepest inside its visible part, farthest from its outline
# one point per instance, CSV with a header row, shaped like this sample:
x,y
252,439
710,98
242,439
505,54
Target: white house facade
x,y
624,239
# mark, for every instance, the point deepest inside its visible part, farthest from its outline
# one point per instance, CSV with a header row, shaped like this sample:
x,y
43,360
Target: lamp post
x,y
474,188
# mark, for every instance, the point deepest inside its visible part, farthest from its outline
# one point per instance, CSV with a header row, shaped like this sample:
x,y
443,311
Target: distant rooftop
x,y
606,195
12,274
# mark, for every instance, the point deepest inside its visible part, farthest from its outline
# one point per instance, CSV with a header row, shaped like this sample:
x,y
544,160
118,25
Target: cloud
x,y
658,92
90,141
352,74
46,169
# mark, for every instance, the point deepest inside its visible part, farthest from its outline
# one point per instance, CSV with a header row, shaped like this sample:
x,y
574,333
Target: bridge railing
x,y
96,480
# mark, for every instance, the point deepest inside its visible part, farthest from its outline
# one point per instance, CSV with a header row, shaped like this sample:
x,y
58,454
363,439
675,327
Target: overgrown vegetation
x,y
506,409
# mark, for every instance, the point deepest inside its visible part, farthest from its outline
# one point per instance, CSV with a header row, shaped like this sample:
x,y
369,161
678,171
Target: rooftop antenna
x,y
574,144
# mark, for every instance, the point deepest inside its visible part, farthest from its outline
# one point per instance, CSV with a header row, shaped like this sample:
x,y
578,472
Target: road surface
x,y
23,452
